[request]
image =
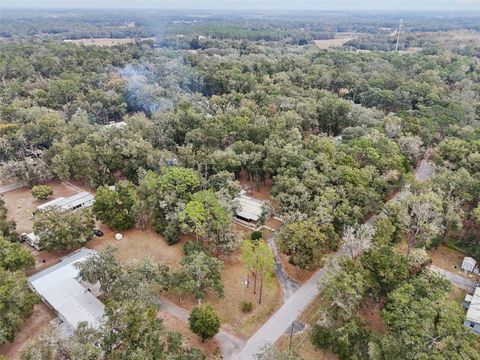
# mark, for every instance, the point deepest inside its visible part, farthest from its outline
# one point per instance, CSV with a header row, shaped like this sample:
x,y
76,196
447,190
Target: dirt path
x,y
279,322
289,286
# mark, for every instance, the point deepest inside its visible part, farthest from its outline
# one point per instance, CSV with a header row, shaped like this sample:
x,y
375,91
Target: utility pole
x,y
291,335
398,34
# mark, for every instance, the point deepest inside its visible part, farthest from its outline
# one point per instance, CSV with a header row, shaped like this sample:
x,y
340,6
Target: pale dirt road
x,y
10,187
289,286
276,326
455,279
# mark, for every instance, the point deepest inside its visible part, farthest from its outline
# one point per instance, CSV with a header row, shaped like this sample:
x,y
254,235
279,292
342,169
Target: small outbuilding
x,y
249,210
469,264
116,125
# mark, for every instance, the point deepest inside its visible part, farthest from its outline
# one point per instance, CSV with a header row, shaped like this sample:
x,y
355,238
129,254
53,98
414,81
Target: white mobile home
x,y
77,201
472,319
60,288
50,204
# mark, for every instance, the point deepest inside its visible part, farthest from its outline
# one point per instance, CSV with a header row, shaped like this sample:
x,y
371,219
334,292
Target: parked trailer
x,y
32,240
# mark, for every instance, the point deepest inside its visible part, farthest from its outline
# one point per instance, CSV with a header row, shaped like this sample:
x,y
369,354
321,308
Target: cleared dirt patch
x,y
107,41
31,328
137,244
371,312
21,204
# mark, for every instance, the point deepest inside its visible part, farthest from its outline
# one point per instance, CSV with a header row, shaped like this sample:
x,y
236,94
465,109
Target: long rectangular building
x,y
77,201
60,288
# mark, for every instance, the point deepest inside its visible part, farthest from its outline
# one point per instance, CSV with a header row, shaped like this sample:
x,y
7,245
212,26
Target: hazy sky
x,y
254,4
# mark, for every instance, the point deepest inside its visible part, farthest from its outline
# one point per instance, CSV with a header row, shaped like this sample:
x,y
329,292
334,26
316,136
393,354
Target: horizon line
x,y
432,10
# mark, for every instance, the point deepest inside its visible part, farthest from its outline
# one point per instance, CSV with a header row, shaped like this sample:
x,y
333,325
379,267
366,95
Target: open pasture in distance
x,y
340,39
106,41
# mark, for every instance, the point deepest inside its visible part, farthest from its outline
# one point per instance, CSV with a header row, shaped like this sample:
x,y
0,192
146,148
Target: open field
x,y
107,41
31,328
340,39
137,244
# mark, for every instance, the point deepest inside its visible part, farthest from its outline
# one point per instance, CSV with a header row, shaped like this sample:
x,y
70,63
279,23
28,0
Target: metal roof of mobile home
x,y
68,203
76,200
50,204
473,312
250,208
59,287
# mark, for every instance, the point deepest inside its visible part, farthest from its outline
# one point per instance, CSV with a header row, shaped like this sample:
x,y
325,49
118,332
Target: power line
x,y
398,34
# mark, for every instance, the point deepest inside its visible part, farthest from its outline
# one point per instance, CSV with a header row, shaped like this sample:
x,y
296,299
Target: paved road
x,y
10,187
228,343
298,302
289,286
456,279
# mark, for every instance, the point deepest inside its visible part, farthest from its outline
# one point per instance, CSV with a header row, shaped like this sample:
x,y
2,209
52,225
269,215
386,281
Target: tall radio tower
x,y
398,34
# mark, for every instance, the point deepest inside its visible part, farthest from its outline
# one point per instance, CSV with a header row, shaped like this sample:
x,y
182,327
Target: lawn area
x,y
302,345
301,341
137,244
457,294
233,319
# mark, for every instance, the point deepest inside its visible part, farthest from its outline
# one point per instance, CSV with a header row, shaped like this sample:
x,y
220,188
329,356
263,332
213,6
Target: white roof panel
x,y
50,204
250,208
473,312
58,285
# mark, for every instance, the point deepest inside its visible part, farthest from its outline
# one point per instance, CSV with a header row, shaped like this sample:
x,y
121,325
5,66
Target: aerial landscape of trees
x,y
167,130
